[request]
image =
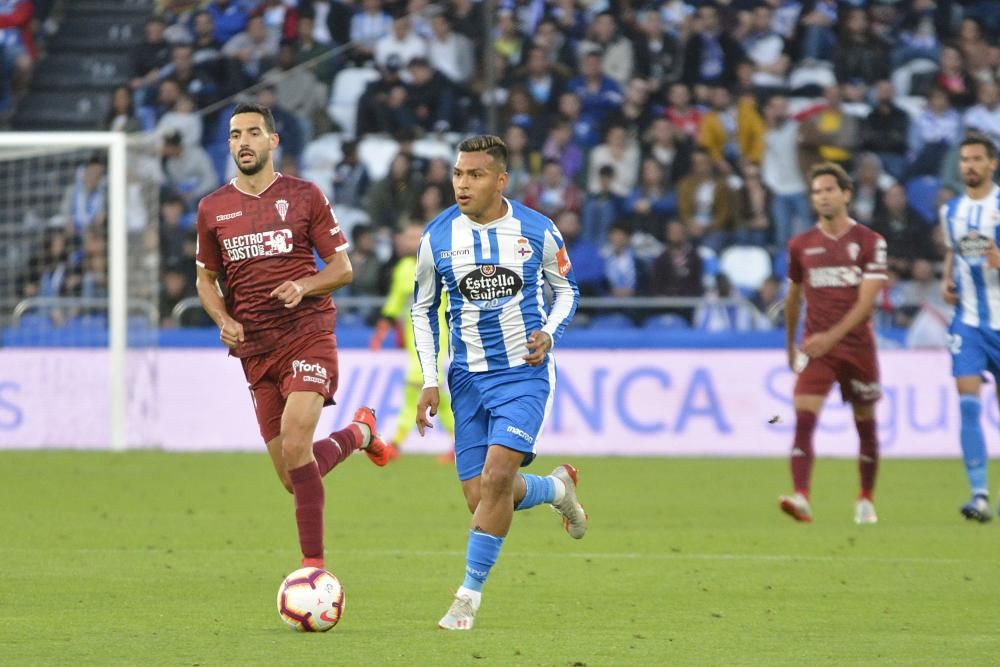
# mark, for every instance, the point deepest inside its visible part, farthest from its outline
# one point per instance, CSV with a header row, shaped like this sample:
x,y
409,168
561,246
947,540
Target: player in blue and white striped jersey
x,y
971,224
494,257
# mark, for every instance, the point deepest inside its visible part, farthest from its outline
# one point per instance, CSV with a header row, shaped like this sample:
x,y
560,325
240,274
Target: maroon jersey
x,y
830,271
259,242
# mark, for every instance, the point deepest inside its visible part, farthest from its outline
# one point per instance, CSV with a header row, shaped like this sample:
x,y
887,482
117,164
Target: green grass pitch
x,y
148,558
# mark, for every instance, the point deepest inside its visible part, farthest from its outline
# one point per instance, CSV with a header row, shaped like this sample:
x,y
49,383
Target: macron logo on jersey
x,y
258,244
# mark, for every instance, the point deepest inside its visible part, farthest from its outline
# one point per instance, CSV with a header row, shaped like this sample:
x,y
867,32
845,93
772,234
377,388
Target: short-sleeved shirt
x,y
830,271
259,242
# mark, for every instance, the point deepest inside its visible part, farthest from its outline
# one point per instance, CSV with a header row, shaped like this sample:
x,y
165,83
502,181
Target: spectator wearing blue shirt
x,y
710,55
602,208
650,203
599,94
588,264
621,266
229,17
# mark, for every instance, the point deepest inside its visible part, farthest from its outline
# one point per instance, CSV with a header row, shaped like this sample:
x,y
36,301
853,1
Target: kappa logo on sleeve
x,y
562,262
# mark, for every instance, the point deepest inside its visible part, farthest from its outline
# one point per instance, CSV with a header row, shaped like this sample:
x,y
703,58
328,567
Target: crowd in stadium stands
x,y
659,136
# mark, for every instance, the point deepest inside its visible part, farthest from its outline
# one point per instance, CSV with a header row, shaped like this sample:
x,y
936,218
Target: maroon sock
x,y
307,485
329,452
802,451
868,455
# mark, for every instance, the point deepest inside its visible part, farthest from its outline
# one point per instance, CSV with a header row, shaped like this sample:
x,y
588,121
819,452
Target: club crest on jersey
x,y
490,287
973,247
853,249
282,207
524,250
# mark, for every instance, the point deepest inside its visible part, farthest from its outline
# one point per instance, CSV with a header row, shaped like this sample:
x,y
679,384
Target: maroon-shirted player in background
x,y
839,267
277,316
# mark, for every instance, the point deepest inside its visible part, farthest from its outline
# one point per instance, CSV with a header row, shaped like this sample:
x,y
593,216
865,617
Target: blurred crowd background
x,y
668,140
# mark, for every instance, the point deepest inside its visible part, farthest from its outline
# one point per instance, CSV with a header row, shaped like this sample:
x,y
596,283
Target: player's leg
x,y
298,423
490,523
860,385
973,448
968,361
868,456
811,387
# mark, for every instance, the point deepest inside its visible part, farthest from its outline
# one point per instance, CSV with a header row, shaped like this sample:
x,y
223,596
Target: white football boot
x,y
864,512
461,614
573,516
797,507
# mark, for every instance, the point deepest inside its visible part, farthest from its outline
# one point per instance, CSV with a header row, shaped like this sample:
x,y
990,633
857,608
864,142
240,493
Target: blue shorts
x,y
504,407
973,350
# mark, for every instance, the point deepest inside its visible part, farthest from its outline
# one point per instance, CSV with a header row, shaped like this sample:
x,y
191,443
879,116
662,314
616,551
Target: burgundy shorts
x,y
855,370
308,363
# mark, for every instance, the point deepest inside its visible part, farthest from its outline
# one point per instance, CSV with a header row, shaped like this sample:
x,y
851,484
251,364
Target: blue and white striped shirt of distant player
x,y
494,275
970,226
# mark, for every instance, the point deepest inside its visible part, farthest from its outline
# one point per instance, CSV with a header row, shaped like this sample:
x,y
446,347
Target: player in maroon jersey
x,y
839,267
277,316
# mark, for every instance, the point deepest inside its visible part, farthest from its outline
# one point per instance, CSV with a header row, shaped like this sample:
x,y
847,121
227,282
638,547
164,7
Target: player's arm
x,y
426,328
793,310
230,331
558,271
948,289
335,274
400,291
208,261
331,244
820,343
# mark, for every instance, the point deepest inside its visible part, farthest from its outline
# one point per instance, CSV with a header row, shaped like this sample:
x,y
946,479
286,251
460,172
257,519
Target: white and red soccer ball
x,y
311,600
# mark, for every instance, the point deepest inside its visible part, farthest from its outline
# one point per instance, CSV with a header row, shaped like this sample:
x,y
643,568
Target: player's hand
x,y
382,329
993,256
231,333
429,398
289,292
949,292
539,344
818,344
797,360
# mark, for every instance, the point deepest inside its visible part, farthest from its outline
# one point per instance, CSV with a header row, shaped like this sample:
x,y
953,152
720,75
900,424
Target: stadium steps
x,y
71,71
88,57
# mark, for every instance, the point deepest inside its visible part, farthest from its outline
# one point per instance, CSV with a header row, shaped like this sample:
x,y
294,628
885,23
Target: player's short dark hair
x,y
253,107
489,144
844,181
975,138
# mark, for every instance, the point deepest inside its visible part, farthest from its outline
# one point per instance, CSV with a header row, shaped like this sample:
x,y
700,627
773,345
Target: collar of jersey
x,y
503,218
991,195
277,175
822,231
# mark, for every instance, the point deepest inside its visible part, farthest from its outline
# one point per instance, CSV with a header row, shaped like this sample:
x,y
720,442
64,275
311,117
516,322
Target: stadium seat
x,y
709,266
432,149
667,322
921,193
746,266
323,178
902,77
611,321
323,152
377,152
811,79
347,88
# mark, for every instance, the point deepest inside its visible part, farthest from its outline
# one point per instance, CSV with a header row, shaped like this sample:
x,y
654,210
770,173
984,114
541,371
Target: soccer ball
x,y
311,600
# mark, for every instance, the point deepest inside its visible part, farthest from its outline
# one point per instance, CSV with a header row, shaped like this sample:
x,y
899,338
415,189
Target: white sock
x,y
560,489
475,596
366,434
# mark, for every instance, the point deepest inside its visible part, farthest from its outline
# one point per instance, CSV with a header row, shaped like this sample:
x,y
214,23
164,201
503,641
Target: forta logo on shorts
x,y
315,370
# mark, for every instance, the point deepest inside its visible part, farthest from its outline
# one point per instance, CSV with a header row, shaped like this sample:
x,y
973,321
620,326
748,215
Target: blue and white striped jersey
x,y
494,275
970,227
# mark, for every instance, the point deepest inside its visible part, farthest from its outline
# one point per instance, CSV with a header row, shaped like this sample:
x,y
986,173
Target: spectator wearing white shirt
x,y
367,27
401,44
985,116
450,53
620,152
780,171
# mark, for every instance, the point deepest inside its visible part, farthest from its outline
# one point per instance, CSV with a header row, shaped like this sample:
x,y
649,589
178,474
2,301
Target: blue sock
x,y
480,556
973,445
538,490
